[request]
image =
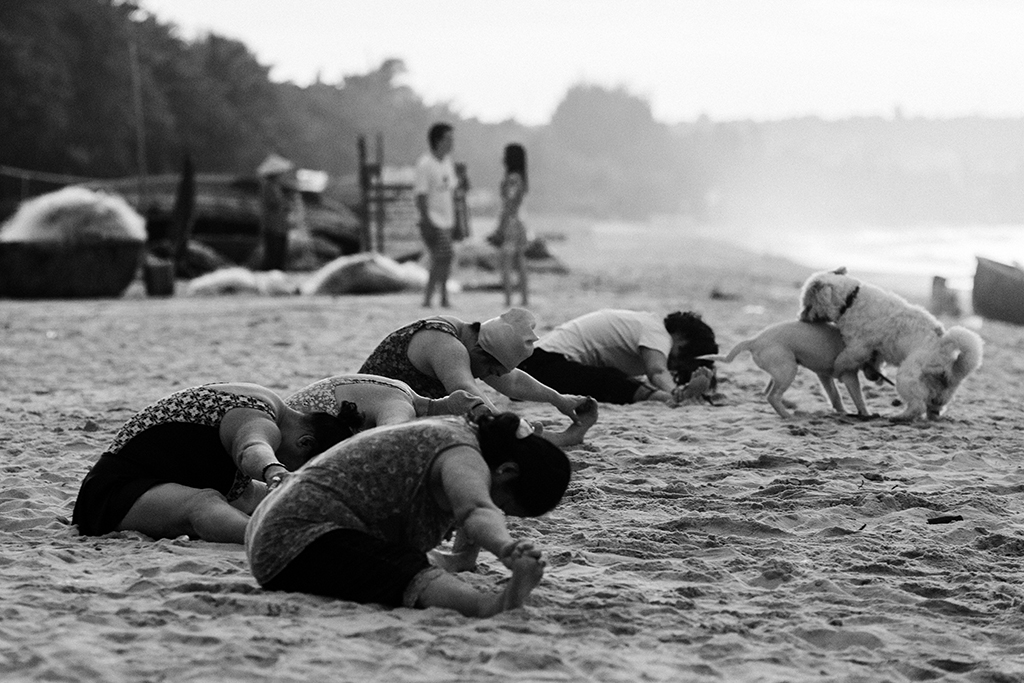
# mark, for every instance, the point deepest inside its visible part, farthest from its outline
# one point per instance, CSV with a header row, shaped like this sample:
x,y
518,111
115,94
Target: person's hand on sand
x,y
520,549
699,383
460,402
569,405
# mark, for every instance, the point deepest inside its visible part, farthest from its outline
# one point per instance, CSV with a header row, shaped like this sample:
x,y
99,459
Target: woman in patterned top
x,y
443,354
356,523
375,401
197,463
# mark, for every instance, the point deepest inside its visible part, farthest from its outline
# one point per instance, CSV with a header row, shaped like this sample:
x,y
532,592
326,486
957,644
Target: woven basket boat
x,y
59,270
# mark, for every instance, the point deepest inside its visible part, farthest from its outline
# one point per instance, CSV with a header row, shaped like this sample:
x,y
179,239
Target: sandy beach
x,y
704,543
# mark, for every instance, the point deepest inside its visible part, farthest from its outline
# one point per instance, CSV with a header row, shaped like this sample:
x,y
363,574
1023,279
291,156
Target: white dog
x,y
932,361
781,348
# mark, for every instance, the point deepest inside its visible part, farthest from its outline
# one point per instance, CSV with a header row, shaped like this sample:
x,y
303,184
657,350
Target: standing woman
x,y
510,236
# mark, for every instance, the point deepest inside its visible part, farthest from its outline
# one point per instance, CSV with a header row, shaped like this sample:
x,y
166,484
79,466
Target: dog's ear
x,y
841,270
816,300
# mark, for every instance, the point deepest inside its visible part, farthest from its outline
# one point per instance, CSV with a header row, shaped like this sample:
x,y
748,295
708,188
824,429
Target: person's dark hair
x,y
436,132
350,417
700,341
515,162
544,469
329,430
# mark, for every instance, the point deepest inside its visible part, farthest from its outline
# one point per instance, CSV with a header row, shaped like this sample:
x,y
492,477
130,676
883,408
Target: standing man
x,y
434,187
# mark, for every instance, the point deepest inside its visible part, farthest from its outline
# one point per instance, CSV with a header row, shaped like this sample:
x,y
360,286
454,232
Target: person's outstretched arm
x,y
524,387
447,359
466,484
656,369
252,439
459,402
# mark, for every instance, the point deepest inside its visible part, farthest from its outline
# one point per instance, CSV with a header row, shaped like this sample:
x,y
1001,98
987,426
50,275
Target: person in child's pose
x,y
620,356
439,355
356,523
198,462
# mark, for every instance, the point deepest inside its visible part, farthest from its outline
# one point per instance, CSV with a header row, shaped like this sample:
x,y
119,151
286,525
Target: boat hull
x,y
998,292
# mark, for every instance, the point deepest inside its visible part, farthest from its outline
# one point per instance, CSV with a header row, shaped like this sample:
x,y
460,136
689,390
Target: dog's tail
x,y
966,347
729,357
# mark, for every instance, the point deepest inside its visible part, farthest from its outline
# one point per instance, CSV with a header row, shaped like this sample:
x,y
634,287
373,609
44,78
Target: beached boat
x,y
227,212
999,291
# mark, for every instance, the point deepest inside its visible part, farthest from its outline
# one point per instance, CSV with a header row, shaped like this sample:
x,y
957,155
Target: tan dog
x,y
879,324
779,349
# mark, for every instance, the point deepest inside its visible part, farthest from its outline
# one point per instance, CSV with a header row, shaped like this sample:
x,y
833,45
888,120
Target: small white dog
x,y
779,349
932,361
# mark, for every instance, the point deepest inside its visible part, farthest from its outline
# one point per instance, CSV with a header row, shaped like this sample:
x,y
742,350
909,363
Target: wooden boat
x,y
998,291
71,243
226,212
56,270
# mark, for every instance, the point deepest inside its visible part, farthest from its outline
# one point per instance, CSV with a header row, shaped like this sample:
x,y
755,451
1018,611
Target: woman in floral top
x,y
196,463
356,523
367,401
442,354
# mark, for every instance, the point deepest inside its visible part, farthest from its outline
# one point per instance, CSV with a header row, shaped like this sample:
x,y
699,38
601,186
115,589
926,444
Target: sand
x,y
714,543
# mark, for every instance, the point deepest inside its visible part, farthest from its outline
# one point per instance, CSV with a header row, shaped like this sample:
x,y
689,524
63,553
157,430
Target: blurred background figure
x,y
510,236
274,211
434,188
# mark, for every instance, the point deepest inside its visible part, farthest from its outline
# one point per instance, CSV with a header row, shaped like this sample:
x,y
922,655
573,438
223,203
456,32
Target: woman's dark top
x,y
377,482
391,358
175,440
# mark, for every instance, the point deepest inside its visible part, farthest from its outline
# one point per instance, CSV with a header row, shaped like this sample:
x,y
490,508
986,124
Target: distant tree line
x,y
72,71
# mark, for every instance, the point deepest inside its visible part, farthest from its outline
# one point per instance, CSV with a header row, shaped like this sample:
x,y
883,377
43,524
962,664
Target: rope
x,y
23,174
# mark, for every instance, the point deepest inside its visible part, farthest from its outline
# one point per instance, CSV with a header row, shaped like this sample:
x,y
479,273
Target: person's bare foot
x,y
527,572
586,413
699,382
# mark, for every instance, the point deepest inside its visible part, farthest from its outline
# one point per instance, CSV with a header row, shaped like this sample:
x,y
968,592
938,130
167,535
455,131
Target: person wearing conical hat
x,y
274,207
438,355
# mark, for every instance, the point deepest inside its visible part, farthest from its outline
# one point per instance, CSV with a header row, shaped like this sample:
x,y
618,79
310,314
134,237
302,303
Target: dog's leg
x,y
782,376
851,359
913,392
829,385
852,383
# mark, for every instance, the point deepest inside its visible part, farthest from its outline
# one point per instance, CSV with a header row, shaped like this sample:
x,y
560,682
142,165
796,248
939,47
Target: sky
x,y
726,59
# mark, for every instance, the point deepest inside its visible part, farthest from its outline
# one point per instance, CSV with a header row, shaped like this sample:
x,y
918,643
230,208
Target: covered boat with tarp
x,y
999,291
227,211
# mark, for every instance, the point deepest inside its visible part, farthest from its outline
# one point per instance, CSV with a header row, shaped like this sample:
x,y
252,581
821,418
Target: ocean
x,y
944,250
905,259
